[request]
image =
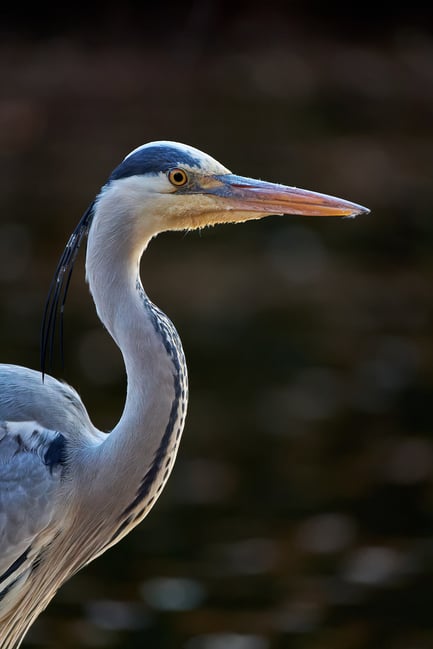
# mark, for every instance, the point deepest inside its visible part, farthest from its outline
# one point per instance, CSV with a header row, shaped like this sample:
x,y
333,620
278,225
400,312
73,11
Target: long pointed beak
x,y
247,194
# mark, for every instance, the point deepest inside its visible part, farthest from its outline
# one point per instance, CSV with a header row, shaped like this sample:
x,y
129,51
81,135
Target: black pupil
x,y
178,177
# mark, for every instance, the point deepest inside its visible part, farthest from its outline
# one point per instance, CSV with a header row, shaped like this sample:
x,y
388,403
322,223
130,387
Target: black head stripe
x,y
154,160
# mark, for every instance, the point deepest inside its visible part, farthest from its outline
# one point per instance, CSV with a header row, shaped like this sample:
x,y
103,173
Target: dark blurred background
x,y
299,513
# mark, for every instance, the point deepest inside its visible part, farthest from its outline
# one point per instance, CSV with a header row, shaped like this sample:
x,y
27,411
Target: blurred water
x,y
300,510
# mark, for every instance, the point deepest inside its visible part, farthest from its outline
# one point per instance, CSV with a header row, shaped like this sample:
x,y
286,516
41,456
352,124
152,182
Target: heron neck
x,y
143,445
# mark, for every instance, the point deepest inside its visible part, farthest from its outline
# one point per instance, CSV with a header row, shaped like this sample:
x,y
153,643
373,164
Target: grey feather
x,y
29,499
67,490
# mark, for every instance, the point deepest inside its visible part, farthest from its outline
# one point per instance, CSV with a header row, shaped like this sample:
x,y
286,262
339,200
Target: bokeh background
x,y
299,513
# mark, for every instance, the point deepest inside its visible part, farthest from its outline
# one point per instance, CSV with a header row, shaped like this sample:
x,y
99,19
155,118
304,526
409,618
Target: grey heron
x,y
69,491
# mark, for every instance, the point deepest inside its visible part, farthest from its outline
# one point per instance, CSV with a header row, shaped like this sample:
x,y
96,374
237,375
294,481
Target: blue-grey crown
x,y
154,159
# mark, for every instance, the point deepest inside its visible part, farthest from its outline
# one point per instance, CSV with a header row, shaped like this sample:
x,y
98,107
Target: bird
x,y
69,491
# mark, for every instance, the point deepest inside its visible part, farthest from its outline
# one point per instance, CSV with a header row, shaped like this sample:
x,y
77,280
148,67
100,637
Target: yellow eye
x,y
178,177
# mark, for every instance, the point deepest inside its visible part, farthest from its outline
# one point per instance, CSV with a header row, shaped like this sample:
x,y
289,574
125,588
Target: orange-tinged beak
x,y
247,194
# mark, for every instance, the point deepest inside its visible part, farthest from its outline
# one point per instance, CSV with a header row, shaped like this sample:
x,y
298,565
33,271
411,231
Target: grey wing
x,y
24,396
32,463
38,421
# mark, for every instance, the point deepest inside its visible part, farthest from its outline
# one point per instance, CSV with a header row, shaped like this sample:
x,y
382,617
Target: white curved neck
x,y
141,448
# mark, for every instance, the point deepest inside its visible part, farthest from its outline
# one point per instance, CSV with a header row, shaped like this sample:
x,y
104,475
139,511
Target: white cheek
x,y
160,184
145,185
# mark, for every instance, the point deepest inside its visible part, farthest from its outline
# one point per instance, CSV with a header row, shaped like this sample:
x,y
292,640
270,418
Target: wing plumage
x,y
32,461
54,405
39,421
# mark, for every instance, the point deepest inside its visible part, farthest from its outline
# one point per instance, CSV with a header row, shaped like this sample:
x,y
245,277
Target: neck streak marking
x,y
170,339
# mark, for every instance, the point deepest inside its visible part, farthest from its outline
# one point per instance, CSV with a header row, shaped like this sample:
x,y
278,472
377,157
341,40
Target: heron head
x,y
172,186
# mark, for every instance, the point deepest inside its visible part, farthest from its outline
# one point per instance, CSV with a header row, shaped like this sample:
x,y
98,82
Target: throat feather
x,y
157,474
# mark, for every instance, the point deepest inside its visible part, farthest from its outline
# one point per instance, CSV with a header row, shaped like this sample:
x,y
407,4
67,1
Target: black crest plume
x,y
56,299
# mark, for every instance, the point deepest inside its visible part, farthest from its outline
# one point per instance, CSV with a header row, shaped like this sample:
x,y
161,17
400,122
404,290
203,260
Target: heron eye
x,y
178,177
